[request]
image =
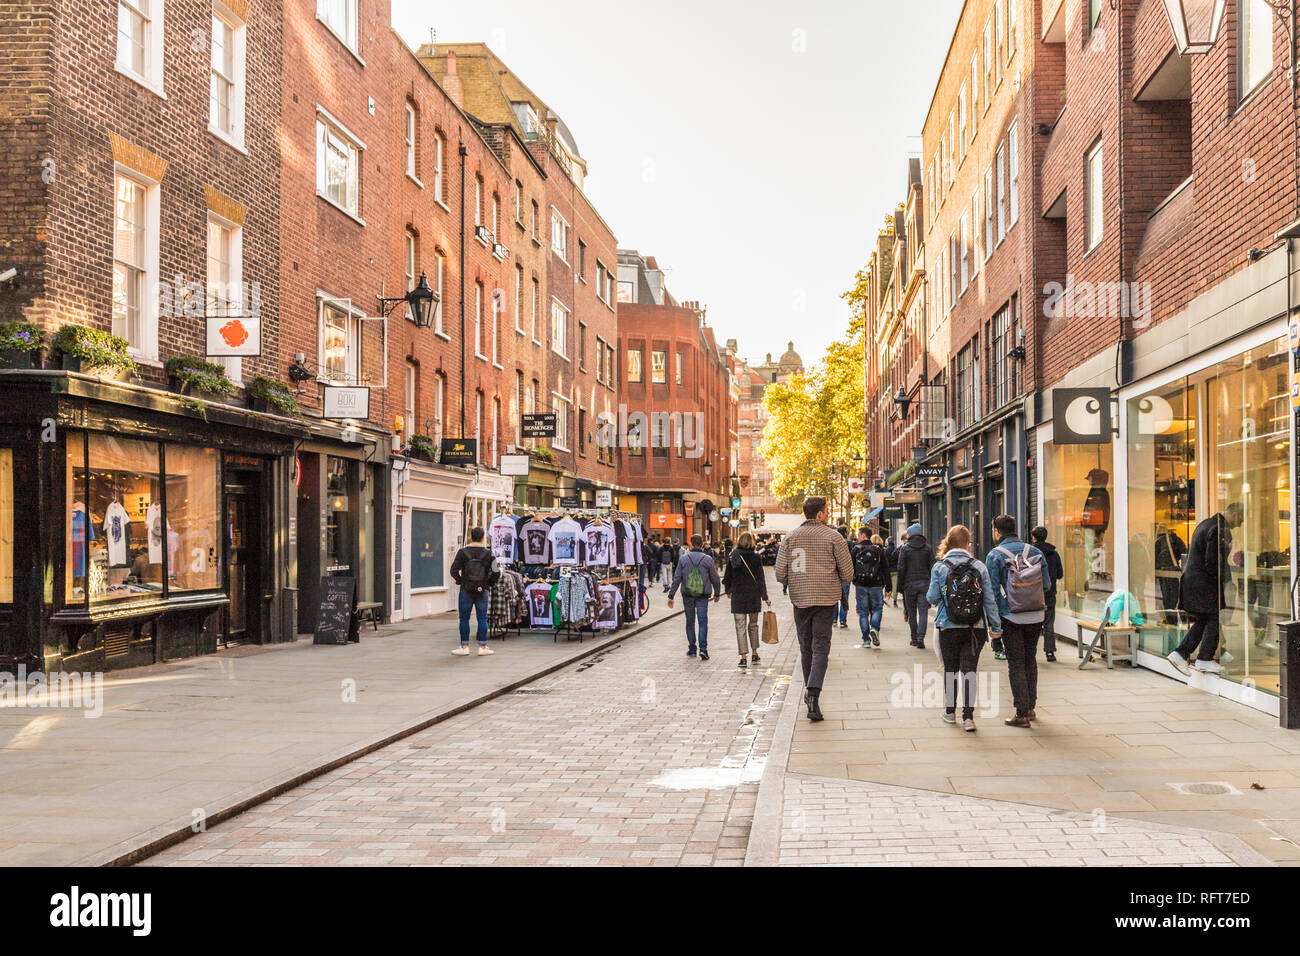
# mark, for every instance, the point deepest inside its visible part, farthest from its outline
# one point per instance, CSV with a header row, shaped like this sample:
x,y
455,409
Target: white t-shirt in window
x,y
115,522
153,524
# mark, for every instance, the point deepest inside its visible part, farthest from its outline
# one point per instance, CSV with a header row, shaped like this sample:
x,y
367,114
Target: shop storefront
x,y
541,487
488,495
1192,440
150,529
342,517
428,504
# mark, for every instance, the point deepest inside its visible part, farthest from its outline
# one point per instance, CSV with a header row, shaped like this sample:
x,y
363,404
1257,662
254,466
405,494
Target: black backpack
x,y
867,560
477,573
963,593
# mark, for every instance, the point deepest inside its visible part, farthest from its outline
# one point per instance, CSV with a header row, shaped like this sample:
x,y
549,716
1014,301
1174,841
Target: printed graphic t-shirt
x,y
599,540
539,605
501,534
115,522
565,540
533,546
607,613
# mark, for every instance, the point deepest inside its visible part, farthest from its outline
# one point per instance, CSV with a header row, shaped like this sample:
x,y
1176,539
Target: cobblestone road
x,y
637,756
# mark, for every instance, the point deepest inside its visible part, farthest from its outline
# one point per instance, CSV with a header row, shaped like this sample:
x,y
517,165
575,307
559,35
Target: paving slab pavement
x,y
1118,746
199,739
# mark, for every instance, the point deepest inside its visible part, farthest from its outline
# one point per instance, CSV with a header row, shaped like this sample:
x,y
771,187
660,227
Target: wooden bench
x,y
369,611
1104,634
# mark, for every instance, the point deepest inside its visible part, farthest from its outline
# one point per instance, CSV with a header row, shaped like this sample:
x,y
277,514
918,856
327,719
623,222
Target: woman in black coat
x,y
746,584
1201,590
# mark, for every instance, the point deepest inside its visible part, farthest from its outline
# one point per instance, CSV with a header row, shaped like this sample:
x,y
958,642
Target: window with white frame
x,y
560,407
998,49
227,72
974,233
439,395
988,213
519,300
537,306
338,165
952,147
1094,14
224,278
962,136
559,329
478,320
478,424
1094,194
478,200
438,260
519,202
679,368
408,407
408,267
519,408
341,17
409,138
135,263
339,342
140,41
974,94
559,235
1255,43
1001,160
634,365
1013,161
437,167
497,308
492,436
954,270
962,240
986,48
495,224
1013,17
658,367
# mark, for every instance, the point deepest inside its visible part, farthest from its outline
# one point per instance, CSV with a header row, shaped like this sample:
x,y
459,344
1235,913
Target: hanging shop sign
x,y
515,465
459,451
735,502
930,472
539,425
1081,416
855,486
604,498
690,508
229,336
346,401
665,521
571,501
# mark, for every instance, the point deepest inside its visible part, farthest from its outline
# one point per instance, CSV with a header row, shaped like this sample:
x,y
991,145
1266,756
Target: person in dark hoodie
x,y
915,559
1054,572
891,555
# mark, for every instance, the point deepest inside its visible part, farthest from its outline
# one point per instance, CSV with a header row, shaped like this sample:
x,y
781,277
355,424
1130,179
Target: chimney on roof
x,y
451,81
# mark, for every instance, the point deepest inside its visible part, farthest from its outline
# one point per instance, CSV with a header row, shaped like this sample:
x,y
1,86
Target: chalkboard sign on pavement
x,y
336,619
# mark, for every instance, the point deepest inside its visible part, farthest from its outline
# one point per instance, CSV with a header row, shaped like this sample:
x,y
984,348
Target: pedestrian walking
x,y
963,597
1202,589
1017,570
668,560
651,555
746,585
871,582
1053,572
843,609
697,577
891,552
474,571
814,563
915,559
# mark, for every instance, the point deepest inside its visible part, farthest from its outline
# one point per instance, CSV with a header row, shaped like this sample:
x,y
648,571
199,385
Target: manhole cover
x,y
1215,789
615,710
534,690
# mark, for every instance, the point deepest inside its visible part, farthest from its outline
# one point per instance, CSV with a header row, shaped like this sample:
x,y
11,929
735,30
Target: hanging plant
x,y
268,395
190,375
422,447
92,351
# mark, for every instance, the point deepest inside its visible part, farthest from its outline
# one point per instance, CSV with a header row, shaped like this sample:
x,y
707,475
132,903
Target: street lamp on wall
x,y
1195,23
902,401
421,300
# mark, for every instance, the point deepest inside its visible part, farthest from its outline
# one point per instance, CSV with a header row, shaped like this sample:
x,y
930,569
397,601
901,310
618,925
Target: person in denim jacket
x,y
960,646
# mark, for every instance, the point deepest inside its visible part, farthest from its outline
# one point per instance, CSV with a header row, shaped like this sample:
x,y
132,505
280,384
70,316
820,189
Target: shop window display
x,y
1227,425
192,519
1077,515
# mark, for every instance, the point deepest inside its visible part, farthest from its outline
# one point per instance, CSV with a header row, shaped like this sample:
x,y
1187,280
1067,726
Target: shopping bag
x,y
770,635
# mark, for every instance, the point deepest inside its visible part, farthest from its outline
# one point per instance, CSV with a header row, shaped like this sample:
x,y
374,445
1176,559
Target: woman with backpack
x,y
963,596
744,582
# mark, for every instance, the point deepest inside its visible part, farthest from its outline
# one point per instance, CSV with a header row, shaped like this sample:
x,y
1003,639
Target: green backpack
x,y
693,583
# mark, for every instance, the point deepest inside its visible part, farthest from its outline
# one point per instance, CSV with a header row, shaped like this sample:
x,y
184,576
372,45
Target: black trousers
x,y
1205,632
813,627
1020,642
960,649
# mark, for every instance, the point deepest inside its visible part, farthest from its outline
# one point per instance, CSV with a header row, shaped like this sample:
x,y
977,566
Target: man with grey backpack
x,y
1016,572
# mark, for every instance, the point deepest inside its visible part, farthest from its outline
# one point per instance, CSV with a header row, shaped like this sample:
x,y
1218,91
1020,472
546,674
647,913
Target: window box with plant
x,y
542,453
21,344
268,395
92,352
188,375
422,447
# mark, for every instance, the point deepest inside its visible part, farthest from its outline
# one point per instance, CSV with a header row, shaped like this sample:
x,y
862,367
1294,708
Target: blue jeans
x,y
697,618
843,609
871,604
479,605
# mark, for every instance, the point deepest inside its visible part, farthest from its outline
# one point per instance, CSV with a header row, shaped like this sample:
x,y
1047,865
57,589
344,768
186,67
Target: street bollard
x,y
1289,676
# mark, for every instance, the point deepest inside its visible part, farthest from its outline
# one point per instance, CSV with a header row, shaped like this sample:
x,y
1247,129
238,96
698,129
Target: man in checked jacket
x,y
814,562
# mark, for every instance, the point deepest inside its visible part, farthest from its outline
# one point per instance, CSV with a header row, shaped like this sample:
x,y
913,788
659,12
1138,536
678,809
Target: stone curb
x,y
764,847
157,839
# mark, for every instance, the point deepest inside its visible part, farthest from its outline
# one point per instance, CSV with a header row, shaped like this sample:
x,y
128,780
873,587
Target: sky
x,y
754,148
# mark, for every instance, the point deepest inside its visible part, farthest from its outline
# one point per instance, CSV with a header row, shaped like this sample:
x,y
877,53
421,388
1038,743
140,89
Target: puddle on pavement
x,y
712,778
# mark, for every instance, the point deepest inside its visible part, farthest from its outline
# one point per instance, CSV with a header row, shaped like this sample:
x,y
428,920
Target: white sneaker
x,y
484,650
461,651
1179,662
1208,667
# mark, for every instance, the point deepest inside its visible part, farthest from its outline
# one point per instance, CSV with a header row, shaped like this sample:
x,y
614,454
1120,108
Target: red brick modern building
x,y
1107,213
679,412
